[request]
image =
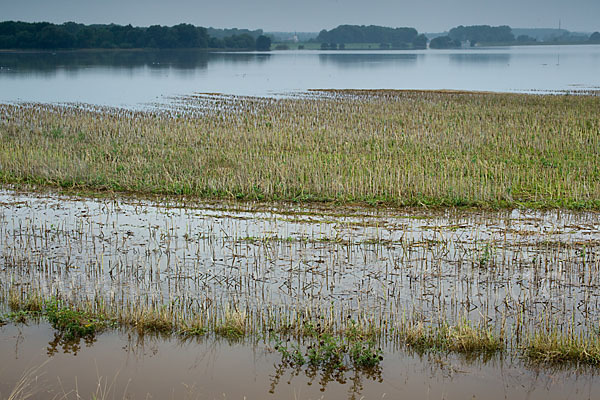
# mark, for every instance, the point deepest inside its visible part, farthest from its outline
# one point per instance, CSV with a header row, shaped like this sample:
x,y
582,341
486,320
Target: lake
x,y
139,78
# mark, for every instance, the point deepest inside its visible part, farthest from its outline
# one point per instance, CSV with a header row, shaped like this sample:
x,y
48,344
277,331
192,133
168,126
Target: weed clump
x,y
152,320
329,352
556,348
73,324
460,338
233,326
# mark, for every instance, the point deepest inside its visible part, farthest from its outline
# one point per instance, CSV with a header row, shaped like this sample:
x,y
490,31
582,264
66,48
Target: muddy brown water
x,y
118,366
517,270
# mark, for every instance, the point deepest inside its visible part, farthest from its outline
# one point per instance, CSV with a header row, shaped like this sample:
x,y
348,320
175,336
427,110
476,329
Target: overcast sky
x,y
313,15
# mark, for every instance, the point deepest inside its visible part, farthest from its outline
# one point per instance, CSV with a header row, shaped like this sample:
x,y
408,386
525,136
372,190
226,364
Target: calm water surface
x,y
132,78
120,366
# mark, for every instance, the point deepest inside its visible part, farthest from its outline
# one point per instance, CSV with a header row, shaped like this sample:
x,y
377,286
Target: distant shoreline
x,y
214,50
100,49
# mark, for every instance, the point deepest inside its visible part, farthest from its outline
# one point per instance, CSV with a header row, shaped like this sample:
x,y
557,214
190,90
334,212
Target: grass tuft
x,y
233,326
460,338
557,348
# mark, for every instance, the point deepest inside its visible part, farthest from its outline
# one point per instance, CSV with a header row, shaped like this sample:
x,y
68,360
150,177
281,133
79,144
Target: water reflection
x,y
136,78
27,63
354,379
142,367
478,58
374,60
68,345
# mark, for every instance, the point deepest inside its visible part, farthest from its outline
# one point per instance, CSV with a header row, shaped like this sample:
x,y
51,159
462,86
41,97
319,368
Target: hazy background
x,y
312,15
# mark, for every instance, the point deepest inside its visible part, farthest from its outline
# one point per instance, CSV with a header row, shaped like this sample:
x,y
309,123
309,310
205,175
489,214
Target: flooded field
x,y
119,366
441,303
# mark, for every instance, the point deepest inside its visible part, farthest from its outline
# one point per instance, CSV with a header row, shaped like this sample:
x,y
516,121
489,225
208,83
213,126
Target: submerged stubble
x,y
519,282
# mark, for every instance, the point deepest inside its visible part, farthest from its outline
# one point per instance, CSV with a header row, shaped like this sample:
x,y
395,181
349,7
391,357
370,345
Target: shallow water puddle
x,y
123,366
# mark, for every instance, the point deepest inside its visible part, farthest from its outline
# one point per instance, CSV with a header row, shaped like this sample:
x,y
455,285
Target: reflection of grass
x,y
390,147
326,344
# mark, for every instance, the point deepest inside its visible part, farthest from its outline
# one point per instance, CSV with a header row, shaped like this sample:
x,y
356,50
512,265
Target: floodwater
x,y
518,269
386,263
120,366
132,79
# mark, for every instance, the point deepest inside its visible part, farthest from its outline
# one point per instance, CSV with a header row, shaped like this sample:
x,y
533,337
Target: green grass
x,y
557,348
73,324
331,352
399,148
461,338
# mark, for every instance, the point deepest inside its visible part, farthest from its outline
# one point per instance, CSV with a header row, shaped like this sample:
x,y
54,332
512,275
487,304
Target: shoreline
x,y
273,50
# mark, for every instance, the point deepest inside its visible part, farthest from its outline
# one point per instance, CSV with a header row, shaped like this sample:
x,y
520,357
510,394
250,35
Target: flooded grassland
x,y
322,282
400,148
332,292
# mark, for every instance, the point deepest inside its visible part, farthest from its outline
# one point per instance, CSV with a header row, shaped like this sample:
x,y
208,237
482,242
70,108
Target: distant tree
x,y
240,42
55,37
342,46
188,36
70,35
282,46
215,43
367,34
595,37
399,45
420,42
263,43
444,42
525,38
300,47
384,46
223,33
482,34
333,46
324,46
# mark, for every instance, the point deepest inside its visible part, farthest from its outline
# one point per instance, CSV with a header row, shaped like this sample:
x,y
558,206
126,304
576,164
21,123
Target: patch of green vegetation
x,y
326,351
233,325
72,323
193,328
19,317
558,348
460,338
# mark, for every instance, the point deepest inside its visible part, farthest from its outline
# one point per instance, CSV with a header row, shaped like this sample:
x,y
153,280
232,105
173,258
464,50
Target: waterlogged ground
x,y
121,366
517,272
517,266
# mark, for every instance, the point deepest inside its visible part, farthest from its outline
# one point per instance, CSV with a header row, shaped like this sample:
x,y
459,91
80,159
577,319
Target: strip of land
x,y
399,148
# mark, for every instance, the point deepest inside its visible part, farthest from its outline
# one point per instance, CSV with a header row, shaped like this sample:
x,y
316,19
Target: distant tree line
x,y
223,33
399,38
70,35
444,42
485,34
482,34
